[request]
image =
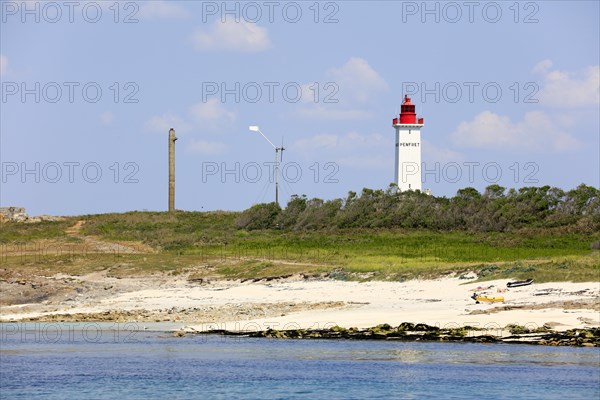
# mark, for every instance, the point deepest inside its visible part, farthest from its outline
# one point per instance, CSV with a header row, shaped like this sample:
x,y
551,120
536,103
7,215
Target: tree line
x,y
495,210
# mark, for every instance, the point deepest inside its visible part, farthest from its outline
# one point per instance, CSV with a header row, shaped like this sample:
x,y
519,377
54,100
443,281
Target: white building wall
x,y
408,157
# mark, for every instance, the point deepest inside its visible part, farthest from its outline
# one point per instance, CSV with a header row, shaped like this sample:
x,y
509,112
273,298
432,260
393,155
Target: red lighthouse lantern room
x,y
407,113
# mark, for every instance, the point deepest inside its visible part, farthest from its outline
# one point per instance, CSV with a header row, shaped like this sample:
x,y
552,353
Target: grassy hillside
x,y
22,232
209,244
165,231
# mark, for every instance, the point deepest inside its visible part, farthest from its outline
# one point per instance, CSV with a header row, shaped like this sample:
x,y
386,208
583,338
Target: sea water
x,y
107,361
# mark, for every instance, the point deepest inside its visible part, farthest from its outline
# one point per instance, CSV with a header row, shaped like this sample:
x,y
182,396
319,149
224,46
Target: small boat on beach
x,y
519,283
487,299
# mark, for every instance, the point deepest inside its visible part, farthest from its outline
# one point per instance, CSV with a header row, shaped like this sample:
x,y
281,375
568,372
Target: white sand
x,y
442,302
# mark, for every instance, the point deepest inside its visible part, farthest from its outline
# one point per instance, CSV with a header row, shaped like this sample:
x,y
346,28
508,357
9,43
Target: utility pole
x,y
278,158
277,175
172,140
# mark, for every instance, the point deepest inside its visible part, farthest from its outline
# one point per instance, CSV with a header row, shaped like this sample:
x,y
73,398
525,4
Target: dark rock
x,y
425,327
406,326
423,332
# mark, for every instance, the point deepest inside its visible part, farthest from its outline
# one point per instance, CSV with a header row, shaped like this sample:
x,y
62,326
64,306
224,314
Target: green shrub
x,y
259,216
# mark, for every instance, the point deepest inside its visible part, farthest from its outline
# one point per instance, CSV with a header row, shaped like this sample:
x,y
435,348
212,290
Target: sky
x,y
509,92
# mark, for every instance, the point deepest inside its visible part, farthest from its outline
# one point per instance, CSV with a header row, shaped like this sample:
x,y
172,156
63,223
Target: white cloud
x,y
311,93
212,110
372,151
202,117
347,89
324,113
357,81
366,161
308,145
537,132
231,35
3,65
352,140
206,147
357,140
562,89
161,9
107,118
352,149
542,67
162,124
434,153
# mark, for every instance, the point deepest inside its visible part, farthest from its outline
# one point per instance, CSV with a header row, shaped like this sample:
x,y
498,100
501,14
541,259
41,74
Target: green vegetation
x,y
24,232
378,235
496,210
164,231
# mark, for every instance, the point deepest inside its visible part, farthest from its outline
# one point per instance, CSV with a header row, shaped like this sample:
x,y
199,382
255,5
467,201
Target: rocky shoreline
x,y
588,337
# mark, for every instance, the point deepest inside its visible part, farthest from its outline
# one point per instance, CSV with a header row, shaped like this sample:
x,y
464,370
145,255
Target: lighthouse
x,y
408,147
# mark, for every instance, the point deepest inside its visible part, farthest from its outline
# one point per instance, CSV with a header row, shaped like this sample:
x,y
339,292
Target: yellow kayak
x,y
489,299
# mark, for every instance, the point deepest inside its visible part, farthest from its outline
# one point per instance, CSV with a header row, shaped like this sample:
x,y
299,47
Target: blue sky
x,y
509,92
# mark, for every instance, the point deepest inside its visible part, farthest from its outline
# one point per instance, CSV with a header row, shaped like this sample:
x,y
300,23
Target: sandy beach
x,y
298,302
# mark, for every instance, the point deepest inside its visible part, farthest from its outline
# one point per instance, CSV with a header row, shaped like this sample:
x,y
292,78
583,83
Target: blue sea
x,y
108,361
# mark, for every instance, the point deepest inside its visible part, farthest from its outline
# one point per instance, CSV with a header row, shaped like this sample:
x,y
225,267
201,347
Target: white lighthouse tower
x,y
408,147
